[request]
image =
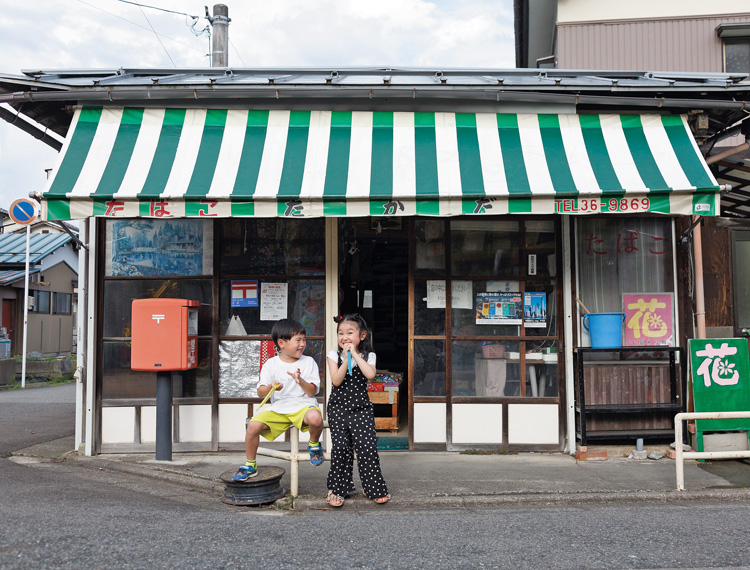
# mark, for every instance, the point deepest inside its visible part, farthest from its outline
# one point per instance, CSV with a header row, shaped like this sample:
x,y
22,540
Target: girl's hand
x,y
297,376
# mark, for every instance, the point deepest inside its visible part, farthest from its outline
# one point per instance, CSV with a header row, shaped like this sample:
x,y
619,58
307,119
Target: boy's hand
x,y
278,385
297,376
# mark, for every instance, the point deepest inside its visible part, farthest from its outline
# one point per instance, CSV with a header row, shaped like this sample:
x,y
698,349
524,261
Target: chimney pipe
x,y
220,36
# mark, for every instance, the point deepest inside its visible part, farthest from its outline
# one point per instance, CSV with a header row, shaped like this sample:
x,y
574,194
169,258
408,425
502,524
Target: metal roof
x,y
12,276
13,247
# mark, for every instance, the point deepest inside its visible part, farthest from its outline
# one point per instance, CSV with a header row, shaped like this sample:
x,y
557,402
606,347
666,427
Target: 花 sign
x,y
649,319
721,382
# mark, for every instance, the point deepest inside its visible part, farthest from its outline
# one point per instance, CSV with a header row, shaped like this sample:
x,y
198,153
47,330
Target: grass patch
x,y
488,452
66,379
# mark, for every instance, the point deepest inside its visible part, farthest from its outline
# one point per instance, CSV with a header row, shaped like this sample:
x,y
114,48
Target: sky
x,y
86,34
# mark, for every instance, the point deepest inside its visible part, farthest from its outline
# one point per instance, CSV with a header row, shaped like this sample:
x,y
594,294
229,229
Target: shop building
x,y
462,213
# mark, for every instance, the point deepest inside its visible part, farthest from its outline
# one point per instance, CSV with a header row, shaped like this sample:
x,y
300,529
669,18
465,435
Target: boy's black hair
x,y
285,329
365,347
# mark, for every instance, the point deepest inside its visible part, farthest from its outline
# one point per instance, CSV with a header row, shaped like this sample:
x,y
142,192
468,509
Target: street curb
x,y
530,499
447,501
194,481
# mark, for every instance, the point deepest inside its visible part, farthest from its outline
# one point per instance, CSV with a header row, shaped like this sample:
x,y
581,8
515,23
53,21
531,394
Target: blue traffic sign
x,y
22,211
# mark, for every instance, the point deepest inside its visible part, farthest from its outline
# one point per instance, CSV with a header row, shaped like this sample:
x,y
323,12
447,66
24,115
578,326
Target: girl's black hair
x,y
365,347
285,329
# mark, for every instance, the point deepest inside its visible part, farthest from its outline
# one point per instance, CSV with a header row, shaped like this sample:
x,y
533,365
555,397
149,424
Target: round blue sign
x,y
22,211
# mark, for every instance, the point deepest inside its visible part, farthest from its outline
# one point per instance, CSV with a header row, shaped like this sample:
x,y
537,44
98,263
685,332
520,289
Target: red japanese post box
x,y
164,334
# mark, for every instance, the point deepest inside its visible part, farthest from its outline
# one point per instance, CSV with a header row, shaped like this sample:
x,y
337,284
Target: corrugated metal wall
x,y
689,44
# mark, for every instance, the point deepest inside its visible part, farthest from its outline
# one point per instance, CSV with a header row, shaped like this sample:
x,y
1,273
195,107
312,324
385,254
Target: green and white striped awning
x,y
135,162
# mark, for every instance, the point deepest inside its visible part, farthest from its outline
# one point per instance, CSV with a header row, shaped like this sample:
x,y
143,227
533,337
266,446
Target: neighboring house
x,y
53,275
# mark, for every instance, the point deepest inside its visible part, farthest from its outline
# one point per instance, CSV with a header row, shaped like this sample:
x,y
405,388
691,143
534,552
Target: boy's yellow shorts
x,y
279,423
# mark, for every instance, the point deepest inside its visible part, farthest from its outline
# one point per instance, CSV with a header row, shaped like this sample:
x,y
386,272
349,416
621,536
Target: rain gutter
x,y
375,92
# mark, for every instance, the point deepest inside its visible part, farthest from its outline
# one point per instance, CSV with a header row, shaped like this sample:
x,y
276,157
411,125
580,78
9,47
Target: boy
x,y
297,380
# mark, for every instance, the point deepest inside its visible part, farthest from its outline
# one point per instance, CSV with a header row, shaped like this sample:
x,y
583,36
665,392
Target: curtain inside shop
x,y
623,255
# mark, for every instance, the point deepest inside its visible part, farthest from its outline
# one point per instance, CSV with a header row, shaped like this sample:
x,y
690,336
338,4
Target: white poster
x,y
273,301
461,295
436,294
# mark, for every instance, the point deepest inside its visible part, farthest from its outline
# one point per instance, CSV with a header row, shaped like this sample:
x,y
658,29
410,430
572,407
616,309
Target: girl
x,y
350,415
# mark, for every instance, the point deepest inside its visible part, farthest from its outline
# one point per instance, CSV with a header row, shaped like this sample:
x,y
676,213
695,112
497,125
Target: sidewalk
x,y
442,479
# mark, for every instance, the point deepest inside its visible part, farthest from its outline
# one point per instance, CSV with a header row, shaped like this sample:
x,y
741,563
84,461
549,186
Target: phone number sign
x,y
601,205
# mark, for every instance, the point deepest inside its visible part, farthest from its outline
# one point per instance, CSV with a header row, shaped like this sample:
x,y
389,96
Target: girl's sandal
x,y
383,500
334,500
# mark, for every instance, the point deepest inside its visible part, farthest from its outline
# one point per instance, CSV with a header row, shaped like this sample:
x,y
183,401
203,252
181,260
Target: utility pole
x,y
220,35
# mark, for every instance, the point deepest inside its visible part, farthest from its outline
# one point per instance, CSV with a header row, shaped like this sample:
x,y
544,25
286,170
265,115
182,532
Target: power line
x,y
157,8
153,30
138,25
238,53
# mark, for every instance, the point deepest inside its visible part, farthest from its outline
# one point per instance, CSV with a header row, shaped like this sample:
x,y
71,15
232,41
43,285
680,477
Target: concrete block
x,y
638,454
725,441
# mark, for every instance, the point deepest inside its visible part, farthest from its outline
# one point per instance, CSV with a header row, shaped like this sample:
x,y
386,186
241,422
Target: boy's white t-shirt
x,y
291,398
334,355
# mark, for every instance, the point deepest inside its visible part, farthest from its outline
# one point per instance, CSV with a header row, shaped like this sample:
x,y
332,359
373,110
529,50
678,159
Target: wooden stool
x,y
262,489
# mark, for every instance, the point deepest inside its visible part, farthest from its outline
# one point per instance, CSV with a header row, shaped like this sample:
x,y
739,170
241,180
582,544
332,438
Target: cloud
x,y
85,34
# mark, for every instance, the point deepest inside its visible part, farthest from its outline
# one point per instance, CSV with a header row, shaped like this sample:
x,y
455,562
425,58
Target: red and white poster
x,y
649,319
244,293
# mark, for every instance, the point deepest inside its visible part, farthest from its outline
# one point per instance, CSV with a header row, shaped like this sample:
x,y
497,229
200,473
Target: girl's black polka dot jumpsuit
x,y
350,415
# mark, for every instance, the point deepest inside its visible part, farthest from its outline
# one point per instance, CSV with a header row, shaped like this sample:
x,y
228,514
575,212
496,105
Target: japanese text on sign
x,y
648,319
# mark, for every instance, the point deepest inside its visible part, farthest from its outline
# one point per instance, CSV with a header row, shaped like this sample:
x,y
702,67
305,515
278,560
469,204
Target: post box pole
x,y
164,416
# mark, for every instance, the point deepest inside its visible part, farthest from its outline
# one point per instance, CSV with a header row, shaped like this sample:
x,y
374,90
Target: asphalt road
x,y
67,515
35,415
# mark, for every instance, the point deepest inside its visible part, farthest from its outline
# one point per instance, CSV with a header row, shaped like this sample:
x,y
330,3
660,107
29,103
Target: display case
x,y
628,393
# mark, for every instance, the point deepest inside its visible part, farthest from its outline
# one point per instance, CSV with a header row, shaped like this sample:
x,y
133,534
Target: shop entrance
x,y
374,281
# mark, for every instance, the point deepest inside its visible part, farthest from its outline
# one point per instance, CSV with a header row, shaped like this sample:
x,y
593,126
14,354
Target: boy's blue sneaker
x,y
244,473
316,454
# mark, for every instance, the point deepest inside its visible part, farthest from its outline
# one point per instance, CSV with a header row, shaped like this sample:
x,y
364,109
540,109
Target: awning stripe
x,y
251,156
516,173
381,176
166,151
208,153
440,163
598,153
337,165
555,155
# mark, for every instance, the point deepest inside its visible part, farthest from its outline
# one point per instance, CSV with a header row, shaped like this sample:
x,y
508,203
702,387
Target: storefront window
x,y
120,294
540,248
240,362
151,248
482,369
541,369
299,299
120,382
272,246
429,247
623,255
429,367
485,248
429,313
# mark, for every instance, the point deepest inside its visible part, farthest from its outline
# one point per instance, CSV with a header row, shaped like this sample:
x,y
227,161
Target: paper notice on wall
x,y
367,300
436,294
461,295
273,301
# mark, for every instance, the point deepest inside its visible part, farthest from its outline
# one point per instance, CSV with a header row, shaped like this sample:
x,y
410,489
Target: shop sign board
x,y
649,319
720,374
244,294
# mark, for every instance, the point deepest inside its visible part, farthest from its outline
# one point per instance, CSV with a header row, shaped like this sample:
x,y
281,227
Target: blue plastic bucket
x,y
605,329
